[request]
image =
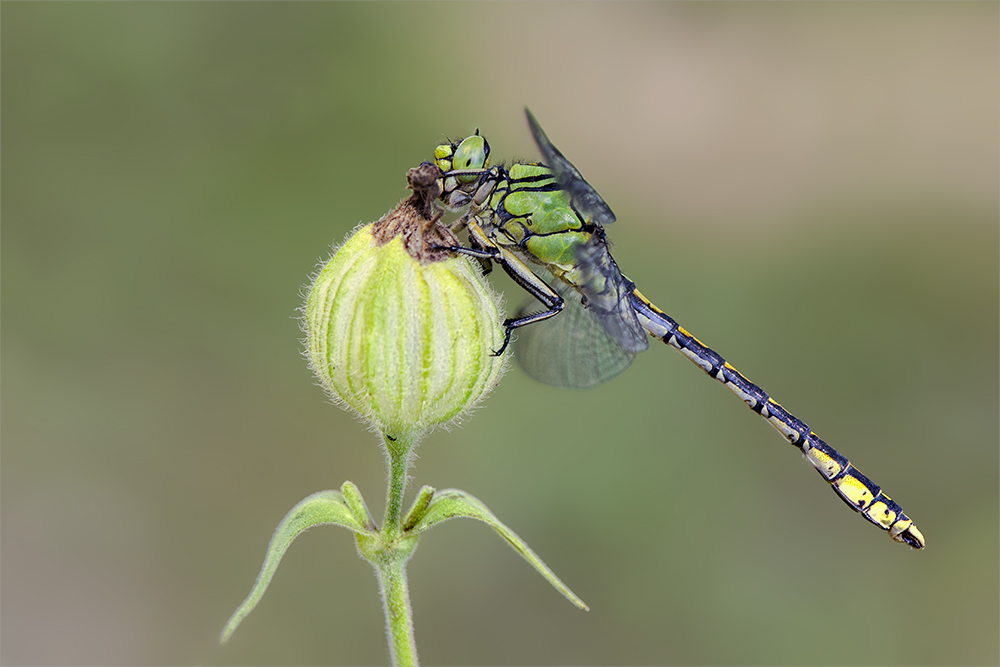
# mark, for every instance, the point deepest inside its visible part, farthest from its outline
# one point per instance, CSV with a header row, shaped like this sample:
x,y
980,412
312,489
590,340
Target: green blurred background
x,y
812,189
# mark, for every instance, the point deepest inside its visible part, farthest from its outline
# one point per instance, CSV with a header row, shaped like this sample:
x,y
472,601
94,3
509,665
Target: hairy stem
x,y
391,556
398,615
398,460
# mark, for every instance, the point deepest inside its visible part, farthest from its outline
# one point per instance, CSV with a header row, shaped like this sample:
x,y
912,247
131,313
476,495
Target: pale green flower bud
x,y
399,332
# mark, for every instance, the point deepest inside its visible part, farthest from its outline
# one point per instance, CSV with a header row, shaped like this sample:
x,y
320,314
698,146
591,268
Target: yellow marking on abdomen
x,y
854,491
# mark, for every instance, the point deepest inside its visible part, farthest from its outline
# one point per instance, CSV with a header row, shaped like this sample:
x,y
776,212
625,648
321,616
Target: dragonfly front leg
x,y
459,225
483,256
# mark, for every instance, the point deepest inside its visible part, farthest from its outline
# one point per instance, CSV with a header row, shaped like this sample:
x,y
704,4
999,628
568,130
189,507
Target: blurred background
x,y
812,189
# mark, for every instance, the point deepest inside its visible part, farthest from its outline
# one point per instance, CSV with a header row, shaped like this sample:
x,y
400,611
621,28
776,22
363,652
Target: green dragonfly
x,y
544,225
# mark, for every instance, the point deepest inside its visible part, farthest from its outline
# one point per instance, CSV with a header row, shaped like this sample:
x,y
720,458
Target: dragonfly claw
x,y
508,329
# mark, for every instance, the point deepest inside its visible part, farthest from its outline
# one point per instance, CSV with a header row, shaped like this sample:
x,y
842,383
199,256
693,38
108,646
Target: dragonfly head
x,y
469,158
462,166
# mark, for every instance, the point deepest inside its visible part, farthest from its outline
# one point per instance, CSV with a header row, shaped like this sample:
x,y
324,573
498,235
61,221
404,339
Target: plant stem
x,y
398,455
398,615
390,562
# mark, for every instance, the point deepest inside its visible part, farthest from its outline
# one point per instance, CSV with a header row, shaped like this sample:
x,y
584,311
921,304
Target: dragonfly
x,y
544,224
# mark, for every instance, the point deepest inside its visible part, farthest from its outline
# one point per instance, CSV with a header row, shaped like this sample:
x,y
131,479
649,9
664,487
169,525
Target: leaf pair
x,y
347,509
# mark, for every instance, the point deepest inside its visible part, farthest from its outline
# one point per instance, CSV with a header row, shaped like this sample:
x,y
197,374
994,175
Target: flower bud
x,y
400,331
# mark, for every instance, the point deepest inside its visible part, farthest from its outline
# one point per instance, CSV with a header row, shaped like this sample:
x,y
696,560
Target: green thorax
x,y
534,213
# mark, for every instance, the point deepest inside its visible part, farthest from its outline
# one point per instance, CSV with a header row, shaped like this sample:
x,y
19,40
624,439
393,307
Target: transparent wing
x,y
572,349
584,197
606,292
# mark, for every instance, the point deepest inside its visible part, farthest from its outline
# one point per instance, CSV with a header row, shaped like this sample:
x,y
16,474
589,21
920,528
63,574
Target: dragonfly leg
x,y
512,323
459,224
531,283
523,276
484,249
478,253
484,257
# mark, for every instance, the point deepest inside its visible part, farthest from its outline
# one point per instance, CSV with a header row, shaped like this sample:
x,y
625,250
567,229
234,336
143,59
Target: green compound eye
x,y
472,153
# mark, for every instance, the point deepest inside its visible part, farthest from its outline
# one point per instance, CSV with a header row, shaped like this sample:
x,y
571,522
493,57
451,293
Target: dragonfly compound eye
x,y
472,154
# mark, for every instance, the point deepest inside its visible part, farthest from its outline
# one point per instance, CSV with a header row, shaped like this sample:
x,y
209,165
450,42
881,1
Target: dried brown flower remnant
x,y
417,219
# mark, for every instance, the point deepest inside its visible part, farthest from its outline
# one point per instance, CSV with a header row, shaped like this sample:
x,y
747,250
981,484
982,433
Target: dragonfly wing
x,y
572,349
607,295
582,194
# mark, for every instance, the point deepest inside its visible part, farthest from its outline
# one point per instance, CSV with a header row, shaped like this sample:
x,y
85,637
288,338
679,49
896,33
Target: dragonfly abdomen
x,y
856,490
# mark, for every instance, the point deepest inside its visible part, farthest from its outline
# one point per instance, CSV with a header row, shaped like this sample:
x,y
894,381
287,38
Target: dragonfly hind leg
x,y
523,276
483,249
530,282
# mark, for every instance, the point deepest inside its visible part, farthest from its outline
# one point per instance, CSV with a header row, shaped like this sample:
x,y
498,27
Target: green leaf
x,y
325,507
454,503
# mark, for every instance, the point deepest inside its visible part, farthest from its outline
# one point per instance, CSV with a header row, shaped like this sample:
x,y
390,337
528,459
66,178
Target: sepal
x,y
455,503
343,508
